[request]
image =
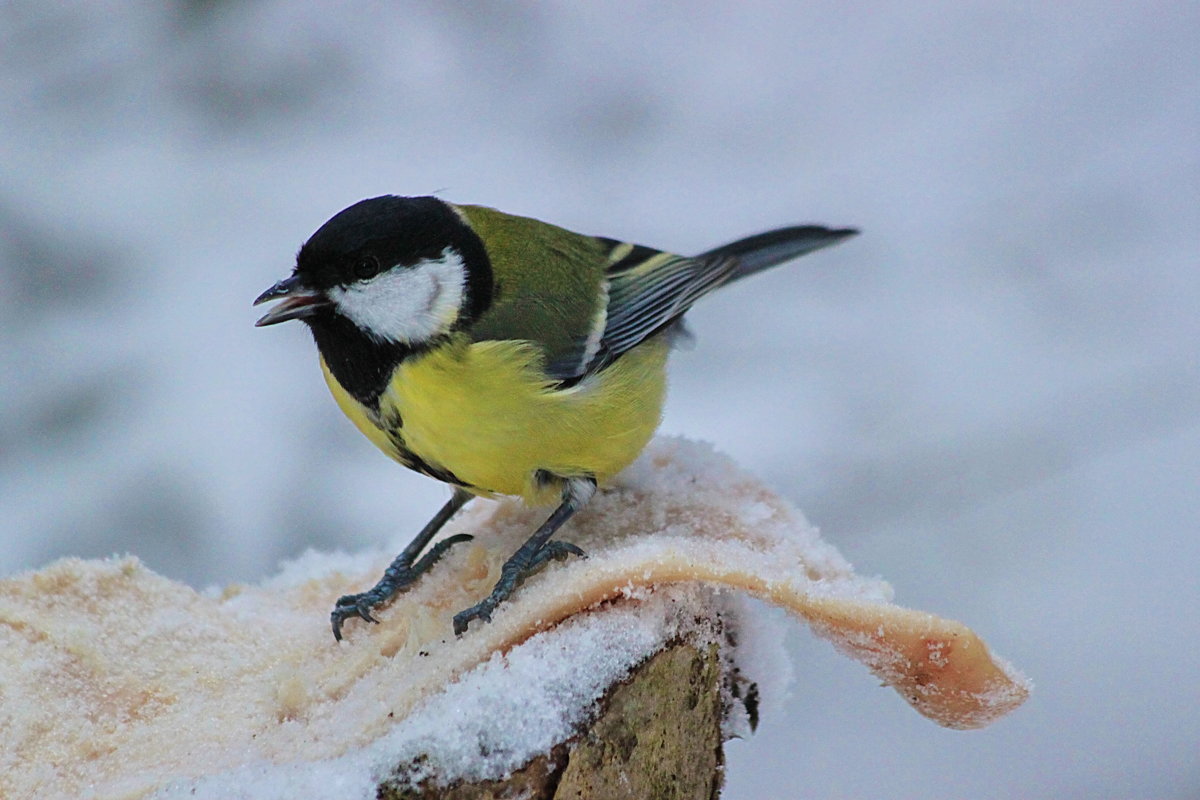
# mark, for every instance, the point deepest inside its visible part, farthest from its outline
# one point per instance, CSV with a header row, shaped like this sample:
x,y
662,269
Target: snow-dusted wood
x,y
657,734
120,681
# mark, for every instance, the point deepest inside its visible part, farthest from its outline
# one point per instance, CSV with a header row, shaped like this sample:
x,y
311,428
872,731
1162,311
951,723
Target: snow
x,y
494,719
124,682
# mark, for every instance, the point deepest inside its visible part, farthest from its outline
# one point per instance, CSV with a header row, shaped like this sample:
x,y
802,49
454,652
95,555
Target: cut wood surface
x,y
121,680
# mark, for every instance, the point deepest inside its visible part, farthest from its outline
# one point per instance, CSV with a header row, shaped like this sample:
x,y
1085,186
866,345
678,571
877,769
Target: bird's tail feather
x,y
766,250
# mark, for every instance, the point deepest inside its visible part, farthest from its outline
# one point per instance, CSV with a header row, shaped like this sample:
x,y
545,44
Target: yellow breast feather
x,y
485,412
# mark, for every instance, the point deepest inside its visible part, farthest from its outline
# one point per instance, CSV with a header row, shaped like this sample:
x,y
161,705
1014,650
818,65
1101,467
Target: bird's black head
x,y
381,279
403,269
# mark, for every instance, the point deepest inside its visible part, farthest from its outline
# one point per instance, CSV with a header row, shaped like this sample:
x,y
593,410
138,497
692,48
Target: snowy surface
x,y
496,718
119,681
992,395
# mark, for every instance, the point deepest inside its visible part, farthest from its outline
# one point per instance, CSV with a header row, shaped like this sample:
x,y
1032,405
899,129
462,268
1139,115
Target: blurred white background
x,y
991,397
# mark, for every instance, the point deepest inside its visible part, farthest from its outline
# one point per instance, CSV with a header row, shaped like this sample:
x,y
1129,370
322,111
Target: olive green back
x,y
547,281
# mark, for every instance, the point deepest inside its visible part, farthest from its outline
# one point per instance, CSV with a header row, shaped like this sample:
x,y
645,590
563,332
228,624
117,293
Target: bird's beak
x,y
297,301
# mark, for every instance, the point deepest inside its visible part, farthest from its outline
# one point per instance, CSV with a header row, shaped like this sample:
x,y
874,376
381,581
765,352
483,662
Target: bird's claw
x,y
512,575
482,610
352,605
554,551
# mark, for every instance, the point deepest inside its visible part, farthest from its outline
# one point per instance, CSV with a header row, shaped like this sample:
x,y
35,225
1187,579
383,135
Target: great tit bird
x,y
499,354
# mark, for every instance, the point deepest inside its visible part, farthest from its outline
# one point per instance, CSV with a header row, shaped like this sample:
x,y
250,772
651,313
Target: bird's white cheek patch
x,y
407,304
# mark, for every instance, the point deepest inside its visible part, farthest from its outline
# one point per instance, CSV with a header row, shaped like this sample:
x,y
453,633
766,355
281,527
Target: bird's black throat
x,y
361,364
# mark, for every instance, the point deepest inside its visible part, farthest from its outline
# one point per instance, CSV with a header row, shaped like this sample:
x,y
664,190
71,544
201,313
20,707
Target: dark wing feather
x,y
648,289
647,299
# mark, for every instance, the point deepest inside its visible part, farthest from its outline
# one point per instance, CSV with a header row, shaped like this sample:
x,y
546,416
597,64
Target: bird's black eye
x,y
366,267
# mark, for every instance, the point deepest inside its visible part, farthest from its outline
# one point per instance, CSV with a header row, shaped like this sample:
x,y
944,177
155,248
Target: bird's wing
x,y
586,300
647,290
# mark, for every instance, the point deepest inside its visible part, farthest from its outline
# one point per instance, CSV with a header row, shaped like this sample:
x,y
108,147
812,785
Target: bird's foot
x,y
515,570
357,605
552,551
398,577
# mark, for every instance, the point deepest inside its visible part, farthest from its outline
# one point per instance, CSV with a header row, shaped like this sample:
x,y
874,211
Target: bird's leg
x,y
402,572
533,554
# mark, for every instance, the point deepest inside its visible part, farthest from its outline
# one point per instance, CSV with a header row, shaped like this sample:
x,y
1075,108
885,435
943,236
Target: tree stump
x,y
655,735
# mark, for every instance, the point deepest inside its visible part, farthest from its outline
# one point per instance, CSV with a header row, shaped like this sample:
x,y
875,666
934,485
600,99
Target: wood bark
x,y
656,735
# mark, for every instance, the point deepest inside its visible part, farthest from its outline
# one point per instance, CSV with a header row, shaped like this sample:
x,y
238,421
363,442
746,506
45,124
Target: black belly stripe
x,y
414,462
392,423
